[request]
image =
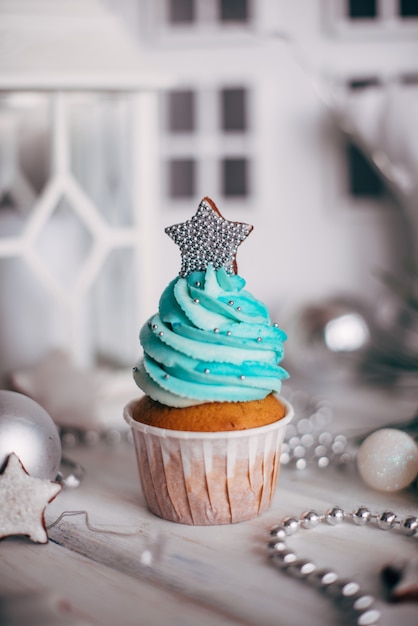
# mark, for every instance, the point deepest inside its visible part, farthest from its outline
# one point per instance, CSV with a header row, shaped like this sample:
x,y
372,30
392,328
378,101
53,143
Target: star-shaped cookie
x,y
208,238
23,500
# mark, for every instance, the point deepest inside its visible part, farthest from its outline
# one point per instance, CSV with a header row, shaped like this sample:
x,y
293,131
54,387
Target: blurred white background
x,y
323,221
297,117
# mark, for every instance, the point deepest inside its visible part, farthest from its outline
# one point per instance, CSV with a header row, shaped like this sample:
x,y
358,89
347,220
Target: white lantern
x,y
78,189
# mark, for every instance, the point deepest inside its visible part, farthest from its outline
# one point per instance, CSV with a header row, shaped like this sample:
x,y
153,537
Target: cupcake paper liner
x,y
208,478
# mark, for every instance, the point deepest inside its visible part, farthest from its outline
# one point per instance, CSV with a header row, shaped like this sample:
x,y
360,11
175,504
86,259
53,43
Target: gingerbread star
x,y
208,238
23,500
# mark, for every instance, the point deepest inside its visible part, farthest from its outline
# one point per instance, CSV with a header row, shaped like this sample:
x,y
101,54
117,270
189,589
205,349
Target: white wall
x,y
310,239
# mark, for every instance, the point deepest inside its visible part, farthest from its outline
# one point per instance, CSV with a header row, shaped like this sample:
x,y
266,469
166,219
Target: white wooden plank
x,y
204,575
226,567
50,576
29,31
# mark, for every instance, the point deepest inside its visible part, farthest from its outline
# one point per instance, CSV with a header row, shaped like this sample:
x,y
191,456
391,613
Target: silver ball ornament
x,y
29,431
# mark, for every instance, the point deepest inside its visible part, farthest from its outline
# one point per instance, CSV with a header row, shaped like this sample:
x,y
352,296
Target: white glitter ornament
x,y
29,431
23,500
387,460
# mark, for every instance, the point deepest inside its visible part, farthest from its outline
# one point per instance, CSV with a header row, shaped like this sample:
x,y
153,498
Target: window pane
x,y
64,244
182,174
30,319
112,327
363,180
25,156
235,177
100,135
358,9
234,109
408,8
364,83
234,10
181,111
181,11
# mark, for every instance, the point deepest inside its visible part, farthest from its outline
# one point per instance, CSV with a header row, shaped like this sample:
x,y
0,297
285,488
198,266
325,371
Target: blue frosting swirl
x,y
211,340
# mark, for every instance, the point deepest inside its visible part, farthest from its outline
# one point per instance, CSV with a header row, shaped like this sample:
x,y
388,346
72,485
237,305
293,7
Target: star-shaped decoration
x,y
23,500
208,238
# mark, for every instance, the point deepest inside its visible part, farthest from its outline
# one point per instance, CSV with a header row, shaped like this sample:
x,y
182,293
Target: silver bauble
x,y
28,430
328,339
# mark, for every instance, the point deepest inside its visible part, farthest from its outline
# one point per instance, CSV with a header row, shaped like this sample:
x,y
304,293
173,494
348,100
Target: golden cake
x,y
211,416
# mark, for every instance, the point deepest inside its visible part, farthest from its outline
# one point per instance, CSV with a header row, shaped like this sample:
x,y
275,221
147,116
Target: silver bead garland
x,y
72,437
72,473
308,442
346,593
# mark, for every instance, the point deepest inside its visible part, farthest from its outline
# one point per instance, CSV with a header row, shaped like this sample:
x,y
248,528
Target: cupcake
x,y
209,428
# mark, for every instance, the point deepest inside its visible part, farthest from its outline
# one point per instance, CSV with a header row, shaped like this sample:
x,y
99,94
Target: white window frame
x,y
206,29
208,145
138,237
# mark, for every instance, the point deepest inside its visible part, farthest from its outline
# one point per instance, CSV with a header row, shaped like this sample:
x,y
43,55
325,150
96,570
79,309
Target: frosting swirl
x,y
211,340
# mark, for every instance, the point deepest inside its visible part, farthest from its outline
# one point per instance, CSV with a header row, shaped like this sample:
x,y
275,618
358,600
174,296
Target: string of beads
x,y
346,593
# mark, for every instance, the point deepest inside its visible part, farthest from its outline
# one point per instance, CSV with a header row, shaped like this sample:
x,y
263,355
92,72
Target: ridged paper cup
x,y
206,478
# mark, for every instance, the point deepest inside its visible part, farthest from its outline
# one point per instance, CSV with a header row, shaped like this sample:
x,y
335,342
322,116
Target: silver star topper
x,y
208,238
23,500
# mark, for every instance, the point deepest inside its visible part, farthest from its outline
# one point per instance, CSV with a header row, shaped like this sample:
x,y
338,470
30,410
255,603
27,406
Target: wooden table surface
x,y
154,572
